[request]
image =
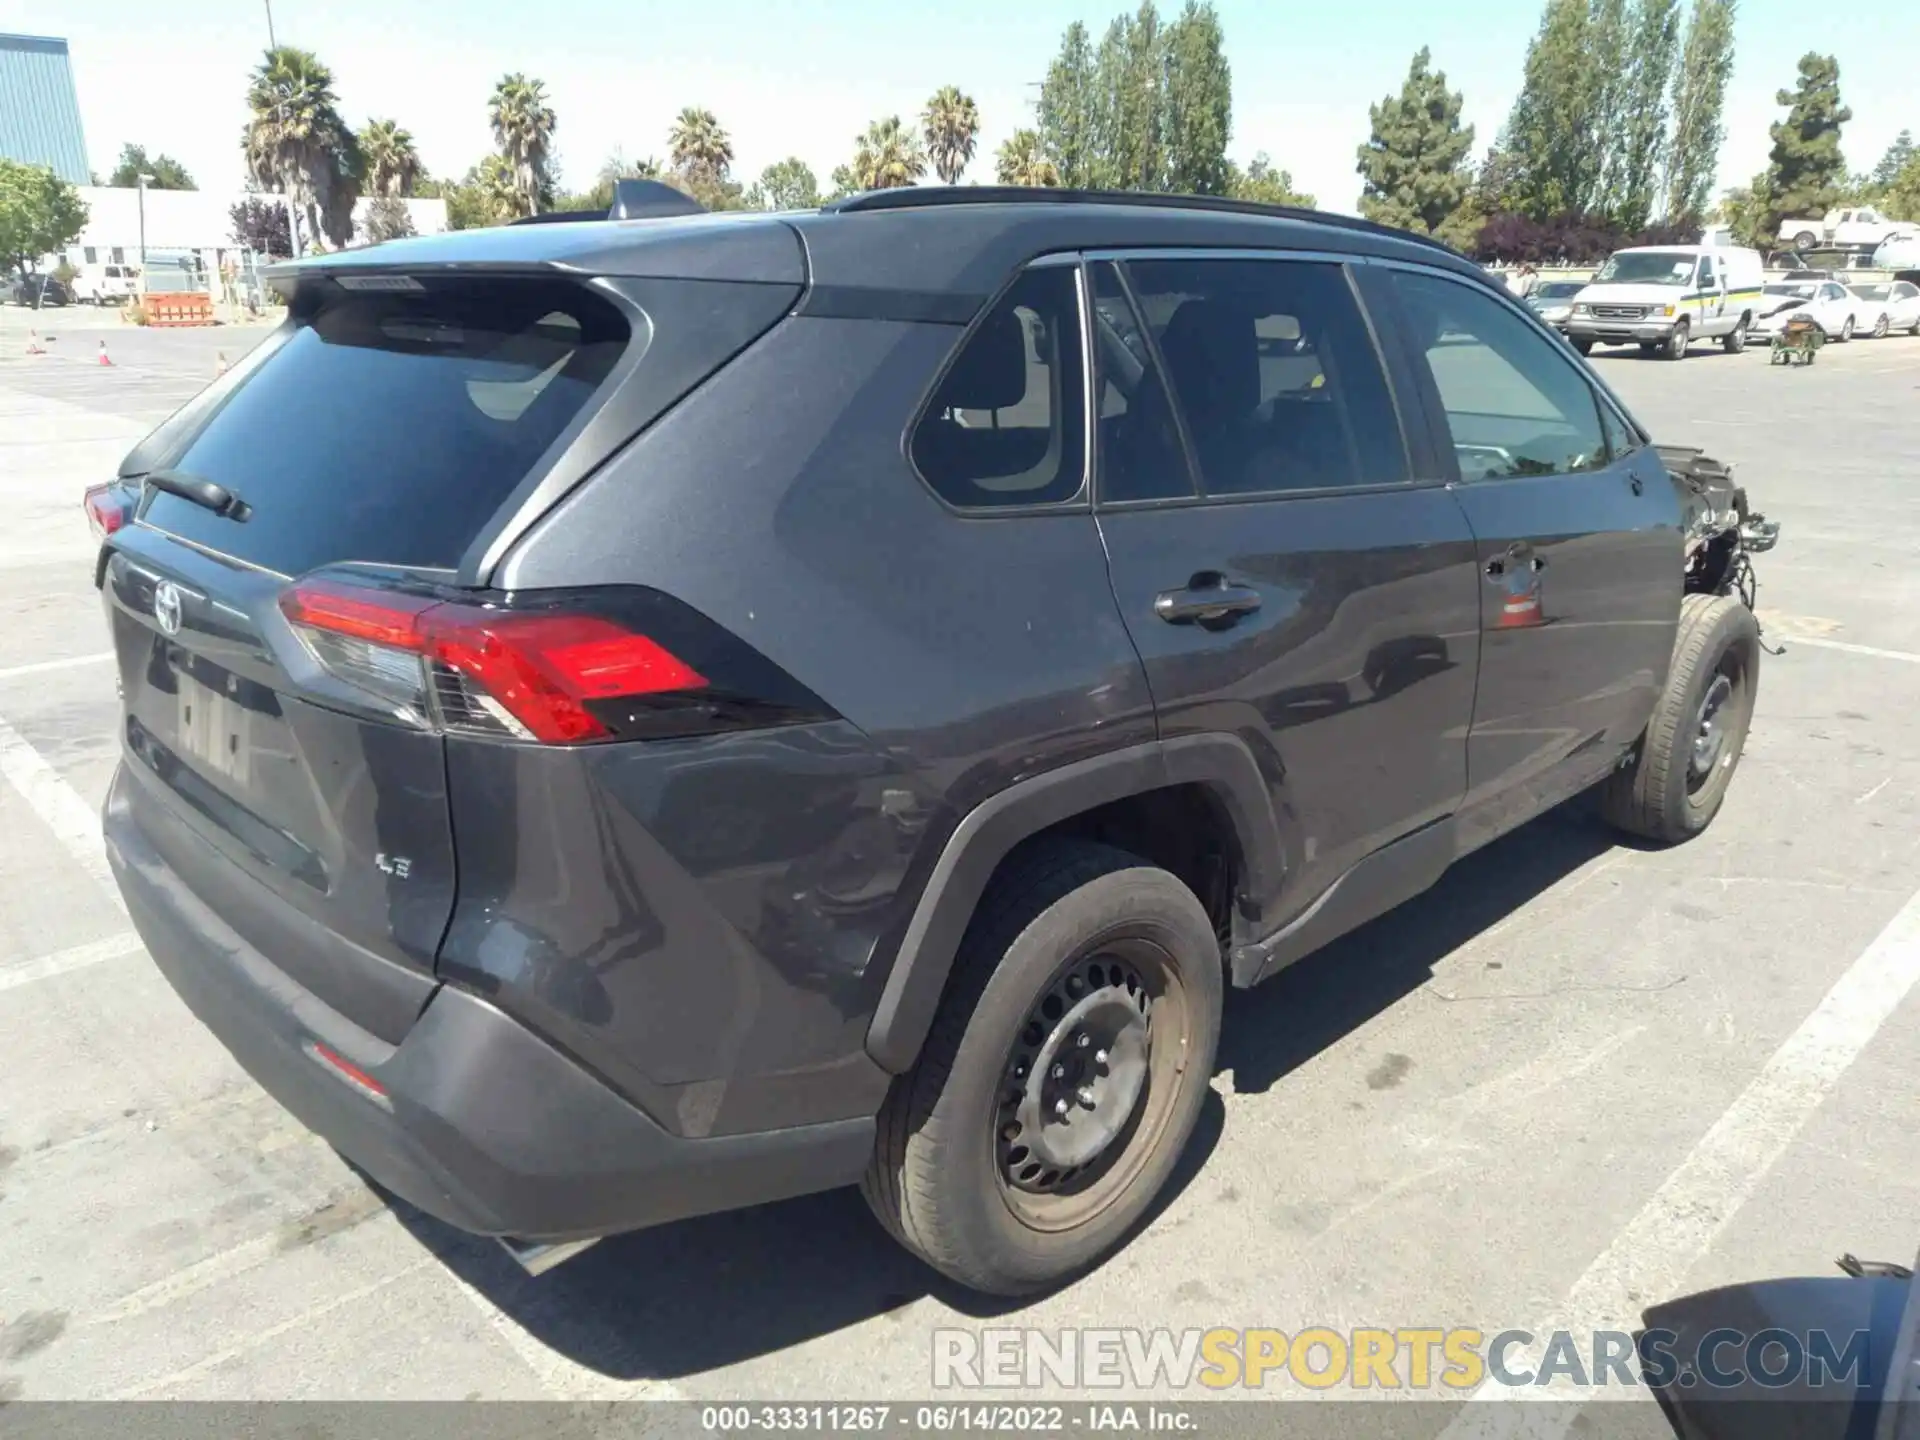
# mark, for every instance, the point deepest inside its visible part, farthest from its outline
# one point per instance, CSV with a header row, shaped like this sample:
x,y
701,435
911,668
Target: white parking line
x,y
1649,1259
14,973
41,667
1850,648
74,823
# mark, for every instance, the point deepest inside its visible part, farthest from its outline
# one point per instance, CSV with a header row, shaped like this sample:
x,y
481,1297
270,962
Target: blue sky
x,y
788,78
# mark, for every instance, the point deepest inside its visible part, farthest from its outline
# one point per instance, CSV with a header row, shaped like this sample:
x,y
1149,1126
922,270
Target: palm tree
x,y
951,125
499,188
698,145
296,142
392,164
1021,161
523,126
887,156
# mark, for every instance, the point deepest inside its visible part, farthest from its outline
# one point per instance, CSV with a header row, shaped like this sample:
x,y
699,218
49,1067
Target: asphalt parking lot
x,y
1574,1079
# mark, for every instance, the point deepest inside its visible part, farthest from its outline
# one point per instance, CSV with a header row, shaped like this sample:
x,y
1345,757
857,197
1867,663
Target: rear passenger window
x,y
1275,374
1007,425
1516,402
1140,454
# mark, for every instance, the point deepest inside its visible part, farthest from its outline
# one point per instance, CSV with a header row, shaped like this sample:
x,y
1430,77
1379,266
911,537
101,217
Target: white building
x,y
200,222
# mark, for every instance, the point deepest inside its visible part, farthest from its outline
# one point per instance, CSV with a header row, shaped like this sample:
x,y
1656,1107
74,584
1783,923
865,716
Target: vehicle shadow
x,y
705,1293
1280,1025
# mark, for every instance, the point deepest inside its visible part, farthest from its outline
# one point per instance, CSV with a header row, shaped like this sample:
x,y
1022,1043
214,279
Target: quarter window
x,y
1007,424
1275,374
1516,404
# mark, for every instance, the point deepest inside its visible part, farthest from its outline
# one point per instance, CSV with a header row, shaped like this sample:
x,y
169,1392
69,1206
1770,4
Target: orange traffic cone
x,y
103,354
34,347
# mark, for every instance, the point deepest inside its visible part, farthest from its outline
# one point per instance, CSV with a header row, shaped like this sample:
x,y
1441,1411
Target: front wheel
x,y
1846,331
1734,343
1585,347
1693,743
1676,346
1064,1073
1804,240
1880,328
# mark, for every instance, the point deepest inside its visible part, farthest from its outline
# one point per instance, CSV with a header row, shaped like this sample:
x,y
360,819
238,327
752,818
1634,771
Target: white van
x,y
1664,297
106,284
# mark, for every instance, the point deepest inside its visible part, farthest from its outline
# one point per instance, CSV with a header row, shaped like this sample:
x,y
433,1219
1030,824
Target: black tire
x,y
1736,341
948,1177
1880,327
1585,347
1675,787
1846,331
1804,240
1649,348
1676,344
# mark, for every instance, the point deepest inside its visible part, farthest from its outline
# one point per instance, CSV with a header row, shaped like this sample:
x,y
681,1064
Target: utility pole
x,y
142,181
272,44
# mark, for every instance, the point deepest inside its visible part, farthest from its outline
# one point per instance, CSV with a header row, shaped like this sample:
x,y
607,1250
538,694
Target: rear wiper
x,y
202,492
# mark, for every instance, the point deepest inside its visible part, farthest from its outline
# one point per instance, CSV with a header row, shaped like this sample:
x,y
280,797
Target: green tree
x,y
1654,28
1551,133
1743,210
1609,64
887,156
1199,102
391,164
698,144
523,125
950,125
786,185
844,183
1699,94
166,172
1068,109
1130,82
1263,184
297,143
1806,173
388,219
40,214
1022,160
1901,197
1415,163
1899,155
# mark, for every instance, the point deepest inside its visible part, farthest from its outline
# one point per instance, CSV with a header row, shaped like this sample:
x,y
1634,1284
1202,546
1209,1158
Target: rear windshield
x,y
391,426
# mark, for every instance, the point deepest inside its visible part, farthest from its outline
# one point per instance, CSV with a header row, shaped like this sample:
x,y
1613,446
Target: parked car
x,y
1899,252
1829,304
1893,305
41,292
1664,297
1859,228
1552,300
618,777
106,284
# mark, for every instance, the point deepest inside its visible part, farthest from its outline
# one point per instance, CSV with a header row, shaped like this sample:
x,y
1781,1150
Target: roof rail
x,y
632,200
913,197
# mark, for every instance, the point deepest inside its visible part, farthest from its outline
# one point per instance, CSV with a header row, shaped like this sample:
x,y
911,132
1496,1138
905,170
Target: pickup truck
x,y
1859,228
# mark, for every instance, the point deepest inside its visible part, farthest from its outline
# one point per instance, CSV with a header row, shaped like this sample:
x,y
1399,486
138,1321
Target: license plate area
x,y
213,729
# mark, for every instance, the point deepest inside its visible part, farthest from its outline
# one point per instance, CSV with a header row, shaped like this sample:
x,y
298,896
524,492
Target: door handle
x,y
1208,598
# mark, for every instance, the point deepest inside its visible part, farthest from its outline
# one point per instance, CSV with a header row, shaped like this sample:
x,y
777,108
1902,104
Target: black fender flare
x,y
1221,762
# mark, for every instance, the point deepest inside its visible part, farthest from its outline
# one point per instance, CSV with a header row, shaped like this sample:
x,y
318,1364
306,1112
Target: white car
x,y
1896,305
1828,303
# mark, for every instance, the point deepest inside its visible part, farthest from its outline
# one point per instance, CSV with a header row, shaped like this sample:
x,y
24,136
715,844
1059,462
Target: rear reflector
x,y
108,507
349,1072
520,675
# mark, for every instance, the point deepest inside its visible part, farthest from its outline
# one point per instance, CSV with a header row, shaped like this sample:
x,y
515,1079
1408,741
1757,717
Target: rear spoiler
x,y
632,200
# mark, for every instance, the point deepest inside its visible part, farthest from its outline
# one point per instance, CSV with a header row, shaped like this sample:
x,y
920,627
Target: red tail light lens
x,y
467,668
108,507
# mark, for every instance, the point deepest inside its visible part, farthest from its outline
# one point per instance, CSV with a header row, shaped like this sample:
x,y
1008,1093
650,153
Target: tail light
x,y
484,671
108,507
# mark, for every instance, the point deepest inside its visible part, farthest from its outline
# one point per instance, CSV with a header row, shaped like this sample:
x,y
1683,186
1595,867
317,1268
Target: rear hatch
x,y
292,641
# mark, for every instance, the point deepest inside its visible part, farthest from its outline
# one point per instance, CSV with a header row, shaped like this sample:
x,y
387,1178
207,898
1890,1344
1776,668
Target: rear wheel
x,y
1881,326
1692,745
1846,331
1063,1075
1677,342
1804,240
1735,342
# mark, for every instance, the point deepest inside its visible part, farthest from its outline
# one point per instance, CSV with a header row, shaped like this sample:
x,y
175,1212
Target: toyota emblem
x,y
166,606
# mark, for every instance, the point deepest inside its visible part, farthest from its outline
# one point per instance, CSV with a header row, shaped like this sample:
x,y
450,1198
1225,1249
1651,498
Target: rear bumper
x,y
483,1124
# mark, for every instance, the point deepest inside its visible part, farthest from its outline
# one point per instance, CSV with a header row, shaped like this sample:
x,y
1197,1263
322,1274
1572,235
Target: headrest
x,y
991,373
1214,358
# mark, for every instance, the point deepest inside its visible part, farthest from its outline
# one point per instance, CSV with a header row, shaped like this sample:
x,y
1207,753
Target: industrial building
x,y
39,109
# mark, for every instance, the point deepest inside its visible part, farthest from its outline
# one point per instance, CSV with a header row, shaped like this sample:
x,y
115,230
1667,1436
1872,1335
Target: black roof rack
x,y
632,200
913,197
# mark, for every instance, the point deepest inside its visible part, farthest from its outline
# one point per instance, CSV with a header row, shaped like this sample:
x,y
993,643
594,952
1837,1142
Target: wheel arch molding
x,y
1222,764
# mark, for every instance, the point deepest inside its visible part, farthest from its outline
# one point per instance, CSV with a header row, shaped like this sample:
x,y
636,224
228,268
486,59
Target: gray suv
x,y
632,717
